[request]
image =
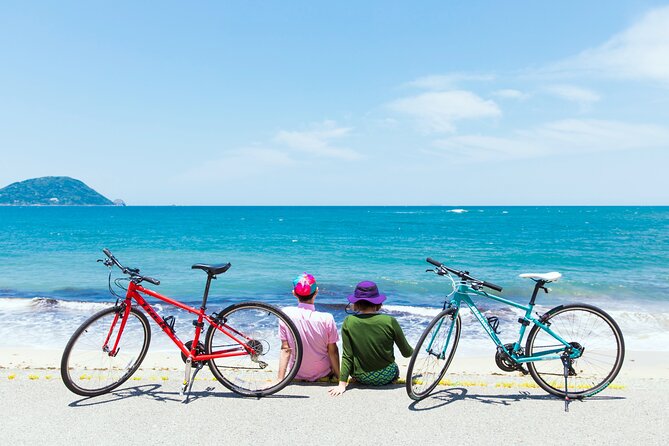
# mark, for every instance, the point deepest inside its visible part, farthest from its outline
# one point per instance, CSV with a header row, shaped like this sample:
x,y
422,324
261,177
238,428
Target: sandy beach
x,y
478,404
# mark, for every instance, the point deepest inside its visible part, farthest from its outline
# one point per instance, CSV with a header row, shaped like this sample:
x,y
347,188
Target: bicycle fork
x,y
113,351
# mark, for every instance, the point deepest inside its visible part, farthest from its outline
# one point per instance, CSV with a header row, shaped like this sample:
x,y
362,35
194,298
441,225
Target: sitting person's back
x,y
320,355
368,340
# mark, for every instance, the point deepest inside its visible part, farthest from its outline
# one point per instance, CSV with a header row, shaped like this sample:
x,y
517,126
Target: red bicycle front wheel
x,y
87,368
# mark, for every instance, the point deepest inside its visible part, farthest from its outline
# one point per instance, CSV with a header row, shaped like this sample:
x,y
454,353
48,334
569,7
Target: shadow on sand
x,y
157,393
455,394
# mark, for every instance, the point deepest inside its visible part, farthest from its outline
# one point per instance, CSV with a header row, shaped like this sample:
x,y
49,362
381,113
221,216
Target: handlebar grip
x,y
112,258
151,280
492,286
432,261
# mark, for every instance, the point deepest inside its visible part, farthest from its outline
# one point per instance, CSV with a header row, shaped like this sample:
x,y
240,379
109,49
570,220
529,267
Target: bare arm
x,y
346,363
284,356
336,391
401,340
333,353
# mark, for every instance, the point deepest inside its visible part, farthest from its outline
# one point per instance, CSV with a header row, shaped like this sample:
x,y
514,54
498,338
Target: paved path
x,y
45,412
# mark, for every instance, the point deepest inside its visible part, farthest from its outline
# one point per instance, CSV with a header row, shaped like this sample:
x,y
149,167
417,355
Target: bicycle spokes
x,y
253,366
588,363
88,366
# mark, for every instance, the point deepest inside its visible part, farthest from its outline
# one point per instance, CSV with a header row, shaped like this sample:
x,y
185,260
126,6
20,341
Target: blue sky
x,y
336,103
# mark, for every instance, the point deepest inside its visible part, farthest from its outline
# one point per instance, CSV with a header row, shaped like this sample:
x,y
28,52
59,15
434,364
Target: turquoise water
x,y
614,257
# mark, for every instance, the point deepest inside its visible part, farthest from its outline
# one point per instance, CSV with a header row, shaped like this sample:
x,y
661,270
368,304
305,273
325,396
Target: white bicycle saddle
x,y
546,277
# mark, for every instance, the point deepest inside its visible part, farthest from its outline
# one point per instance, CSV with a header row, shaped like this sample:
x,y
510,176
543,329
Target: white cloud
x,y
582,96
318,141
484,148
250,162
447,81
558,137
438,111
640,52
237,165
509,93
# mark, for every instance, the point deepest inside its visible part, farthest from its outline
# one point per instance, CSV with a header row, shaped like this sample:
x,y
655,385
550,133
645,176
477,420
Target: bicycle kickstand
x,y
188,379
185,387
565,363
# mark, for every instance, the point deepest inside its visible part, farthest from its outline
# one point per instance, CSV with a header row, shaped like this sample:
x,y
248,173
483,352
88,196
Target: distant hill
x,y
51,191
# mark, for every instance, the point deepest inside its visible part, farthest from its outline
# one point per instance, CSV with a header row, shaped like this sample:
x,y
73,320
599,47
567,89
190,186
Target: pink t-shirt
x,y
317,330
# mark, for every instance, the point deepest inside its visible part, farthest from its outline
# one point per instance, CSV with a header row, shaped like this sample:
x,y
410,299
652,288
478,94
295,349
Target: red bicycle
x,y
242,345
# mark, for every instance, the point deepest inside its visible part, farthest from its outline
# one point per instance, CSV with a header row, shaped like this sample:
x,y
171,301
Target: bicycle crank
x,y
505,362
199,350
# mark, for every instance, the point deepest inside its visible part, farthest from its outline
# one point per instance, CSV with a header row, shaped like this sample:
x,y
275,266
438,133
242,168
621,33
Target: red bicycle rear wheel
x,y
262,327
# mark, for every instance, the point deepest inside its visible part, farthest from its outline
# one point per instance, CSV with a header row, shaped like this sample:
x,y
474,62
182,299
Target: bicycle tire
x,y
87,369
603,354
260,324
426,369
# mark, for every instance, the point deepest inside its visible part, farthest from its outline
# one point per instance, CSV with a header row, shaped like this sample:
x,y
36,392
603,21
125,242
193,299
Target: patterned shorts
x,y
379,377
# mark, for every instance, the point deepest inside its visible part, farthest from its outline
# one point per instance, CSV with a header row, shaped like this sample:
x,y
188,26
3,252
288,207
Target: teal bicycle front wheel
x,y
433,354
591,330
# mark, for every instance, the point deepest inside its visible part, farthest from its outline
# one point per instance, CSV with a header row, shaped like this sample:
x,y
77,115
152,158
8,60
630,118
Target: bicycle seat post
x,y
538,286
206,290
212,271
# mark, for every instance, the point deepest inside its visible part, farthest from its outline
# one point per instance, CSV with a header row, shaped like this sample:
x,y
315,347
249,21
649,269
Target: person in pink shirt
x,y
320,355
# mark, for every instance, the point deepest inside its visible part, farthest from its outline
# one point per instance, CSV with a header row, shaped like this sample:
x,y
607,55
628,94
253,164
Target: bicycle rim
x,y
433,354
262,327
88,369
600,337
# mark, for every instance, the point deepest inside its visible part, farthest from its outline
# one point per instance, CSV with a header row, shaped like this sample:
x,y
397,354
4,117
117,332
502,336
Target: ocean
x,y
614,257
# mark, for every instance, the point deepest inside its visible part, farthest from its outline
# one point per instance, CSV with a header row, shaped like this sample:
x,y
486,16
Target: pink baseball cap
x,y
304,285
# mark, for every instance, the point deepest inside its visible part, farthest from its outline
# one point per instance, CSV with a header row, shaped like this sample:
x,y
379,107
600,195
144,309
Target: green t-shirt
x,y
367,341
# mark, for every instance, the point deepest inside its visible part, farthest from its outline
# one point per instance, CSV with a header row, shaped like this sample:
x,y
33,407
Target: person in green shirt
x,y
368,340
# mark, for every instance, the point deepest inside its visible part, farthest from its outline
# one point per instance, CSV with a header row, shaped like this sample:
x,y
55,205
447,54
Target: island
x,y
53,191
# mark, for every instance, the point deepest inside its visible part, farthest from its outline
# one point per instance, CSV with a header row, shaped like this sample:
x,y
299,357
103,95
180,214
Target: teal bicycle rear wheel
x,y
433,354
593,331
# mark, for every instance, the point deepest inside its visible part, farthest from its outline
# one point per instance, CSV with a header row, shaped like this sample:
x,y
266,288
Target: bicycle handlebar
x,y
464,275
132,272
151,280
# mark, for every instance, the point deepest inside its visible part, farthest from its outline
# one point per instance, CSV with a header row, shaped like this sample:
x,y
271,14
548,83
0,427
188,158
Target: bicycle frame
x,y
462,294
135,292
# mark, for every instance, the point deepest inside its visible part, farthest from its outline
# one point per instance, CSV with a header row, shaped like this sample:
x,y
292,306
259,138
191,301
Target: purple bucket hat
x,y
368,291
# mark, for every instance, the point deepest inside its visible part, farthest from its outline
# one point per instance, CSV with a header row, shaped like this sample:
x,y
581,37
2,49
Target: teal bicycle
x,y
572,351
